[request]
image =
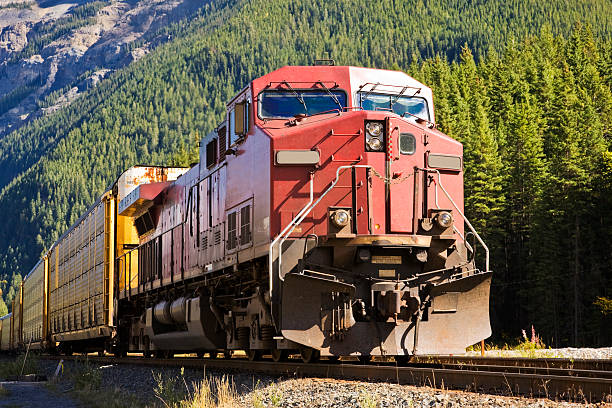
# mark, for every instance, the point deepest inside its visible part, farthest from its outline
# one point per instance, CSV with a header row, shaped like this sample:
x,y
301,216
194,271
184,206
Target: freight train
x,y
324,218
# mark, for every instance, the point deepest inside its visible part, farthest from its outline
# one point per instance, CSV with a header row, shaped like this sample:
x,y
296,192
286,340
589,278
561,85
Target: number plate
x,y
386,273
388,260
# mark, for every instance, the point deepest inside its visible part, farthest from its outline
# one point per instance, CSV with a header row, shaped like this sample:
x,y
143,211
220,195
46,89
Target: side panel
x,y
451,180
34,305
80,271
17,319
5,335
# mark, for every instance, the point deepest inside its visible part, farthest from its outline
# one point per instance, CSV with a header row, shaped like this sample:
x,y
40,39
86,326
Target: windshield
x,y
403,105
288,103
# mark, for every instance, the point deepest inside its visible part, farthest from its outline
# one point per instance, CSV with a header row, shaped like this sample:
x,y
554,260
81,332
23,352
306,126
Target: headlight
x,y
340,218
375,136
374,128
444,219
374,143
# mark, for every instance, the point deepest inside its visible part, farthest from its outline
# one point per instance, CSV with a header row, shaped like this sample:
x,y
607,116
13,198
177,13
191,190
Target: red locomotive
x,y
325,217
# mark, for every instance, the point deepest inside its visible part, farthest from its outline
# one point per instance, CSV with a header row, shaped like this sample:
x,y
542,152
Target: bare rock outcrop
x,y
13,38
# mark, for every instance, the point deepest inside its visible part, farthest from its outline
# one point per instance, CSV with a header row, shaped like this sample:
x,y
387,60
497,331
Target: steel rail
x,y
567,363
573,388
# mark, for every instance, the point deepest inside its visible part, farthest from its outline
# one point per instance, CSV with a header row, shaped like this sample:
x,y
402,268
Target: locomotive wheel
x,y
364,359
279,355
254,355
309,355
227,354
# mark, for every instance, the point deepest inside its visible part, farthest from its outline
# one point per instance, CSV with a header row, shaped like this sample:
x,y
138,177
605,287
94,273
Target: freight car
x,y
35,306
5,332
325,217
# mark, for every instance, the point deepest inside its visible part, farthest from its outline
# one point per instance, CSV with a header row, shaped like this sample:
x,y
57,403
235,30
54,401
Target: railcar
x,y
325,217
35,290
81,268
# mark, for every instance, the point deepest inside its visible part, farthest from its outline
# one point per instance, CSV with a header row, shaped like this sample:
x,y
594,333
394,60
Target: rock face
x,y
13,38
39,55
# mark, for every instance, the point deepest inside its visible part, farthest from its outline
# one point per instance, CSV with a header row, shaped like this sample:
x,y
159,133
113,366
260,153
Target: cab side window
x,y
239,121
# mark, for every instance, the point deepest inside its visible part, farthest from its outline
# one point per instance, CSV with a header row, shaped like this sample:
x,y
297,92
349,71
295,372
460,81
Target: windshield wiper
x,y
401,93
364,97
297,95
334,97
393,101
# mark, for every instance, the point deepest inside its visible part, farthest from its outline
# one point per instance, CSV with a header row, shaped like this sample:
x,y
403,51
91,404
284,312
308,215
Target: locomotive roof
x,y
351,79
351,74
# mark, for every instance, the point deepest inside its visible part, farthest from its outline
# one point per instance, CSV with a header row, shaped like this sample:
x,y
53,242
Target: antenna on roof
x,y
327,62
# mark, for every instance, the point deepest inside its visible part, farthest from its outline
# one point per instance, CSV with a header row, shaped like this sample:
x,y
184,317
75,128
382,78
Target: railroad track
x,y
507,376
591,364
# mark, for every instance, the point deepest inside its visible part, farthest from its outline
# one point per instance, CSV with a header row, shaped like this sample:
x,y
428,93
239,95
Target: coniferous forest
x,y
526,86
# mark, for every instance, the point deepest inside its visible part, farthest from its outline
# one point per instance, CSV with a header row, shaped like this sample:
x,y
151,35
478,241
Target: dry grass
x,y
204,396
208,393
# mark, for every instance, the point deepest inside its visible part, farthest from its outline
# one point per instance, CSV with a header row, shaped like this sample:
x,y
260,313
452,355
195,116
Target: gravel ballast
x,y
265,391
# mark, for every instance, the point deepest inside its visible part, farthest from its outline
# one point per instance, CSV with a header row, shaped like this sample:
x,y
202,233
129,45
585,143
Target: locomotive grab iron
x,y
325,217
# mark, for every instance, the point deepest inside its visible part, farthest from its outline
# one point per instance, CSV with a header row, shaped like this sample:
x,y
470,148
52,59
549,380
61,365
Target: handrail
x,y
439,182
467,244
271,250
288,230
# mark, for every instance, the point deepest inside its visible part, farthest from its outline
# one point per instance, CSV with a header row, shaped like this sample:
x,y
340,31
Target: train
x,y
325,218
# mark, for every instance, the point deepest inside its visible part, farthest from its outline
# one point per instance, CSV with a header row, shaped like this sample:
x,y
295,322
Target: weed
x,y
535,343
275,395
526,346
166,389
257,397
4,392
367,400
86,377
257,400
19,365
87,387
272,394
